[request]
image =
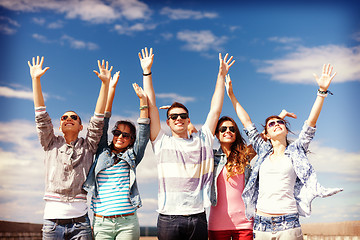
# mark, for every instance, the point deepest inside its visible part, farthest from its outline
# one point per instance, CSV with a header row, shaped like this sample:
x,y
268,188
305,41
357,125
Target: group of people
x,y
259,201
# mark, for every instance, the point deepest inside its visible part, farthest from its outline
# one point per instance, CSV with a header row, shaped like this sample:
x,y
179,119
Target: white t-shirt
x,y
276,186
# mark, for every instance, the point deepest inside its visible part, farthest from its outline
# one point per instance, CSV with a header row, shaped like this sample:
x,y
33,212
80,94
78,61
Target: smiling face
x,y
122,141
179,124
226,133
276,128
70,123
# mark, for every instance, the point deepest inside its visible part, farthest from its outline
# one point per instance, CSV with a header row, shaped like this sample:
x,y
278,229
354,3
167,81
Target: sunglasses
x,y
272,123
224,128
74,117
176,115
117,133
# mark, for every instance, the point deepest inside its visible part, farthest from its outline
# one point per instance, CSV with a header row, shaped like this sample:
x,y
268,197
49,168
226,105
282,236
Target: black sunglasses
x,y
272,123
176,115
224,128
117,133
74,117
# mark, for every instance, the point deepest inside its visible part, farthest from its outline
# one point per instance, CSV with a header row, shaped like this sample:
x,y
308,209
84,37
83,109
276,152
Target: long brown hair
x,y
240,154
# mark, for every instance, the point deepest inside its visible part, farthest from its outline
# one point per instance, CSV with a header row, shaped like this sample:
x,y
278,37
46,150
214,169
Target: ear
x,y
81,128
60,128
167,122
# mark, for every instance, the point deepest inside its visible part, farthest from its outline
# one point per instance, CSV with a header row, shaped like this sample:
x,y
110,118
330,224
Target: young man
x,y
185,164
67,160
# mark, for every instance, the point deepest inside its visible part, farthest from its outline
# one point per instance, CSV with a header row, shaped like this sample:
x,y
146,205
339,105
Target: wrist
x,y
147,73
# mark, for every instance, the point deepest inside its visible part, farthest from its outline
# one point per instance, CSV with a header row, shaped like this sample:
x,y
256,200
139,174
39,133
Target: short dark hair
x,y
76,115
176,105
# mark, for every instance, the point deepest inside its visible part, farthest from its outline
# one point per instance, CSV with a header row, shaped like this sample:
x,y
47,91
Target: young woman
x,y
283,183
231,170
112,177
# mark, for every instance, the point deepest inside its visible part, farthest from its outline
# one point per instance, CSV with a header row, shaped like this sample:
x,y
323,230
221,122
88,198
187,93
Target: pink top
x,y
229,213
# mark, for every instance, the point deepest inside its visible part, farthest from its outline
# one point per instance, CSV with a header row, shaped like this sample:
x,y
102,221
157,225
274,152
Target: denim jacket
x,y
66,165
133,156
220,160
306,186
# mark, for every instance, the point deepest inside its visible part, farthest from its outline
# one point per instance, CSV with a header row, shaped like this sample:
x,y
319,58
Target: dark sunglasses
x,y
176,115
117,133
272,123
224,128
74,117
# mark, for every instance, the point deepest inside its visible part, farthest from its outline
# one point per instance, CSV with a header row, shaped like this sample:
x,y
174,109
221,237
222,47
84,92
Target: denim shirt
x,y
133,156
306,186
220,161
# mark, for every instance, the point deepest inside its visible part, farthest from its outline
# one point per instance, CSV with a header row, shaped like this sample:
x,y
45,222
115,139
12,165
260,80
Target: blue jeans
x,y
286,227
179,227
78,228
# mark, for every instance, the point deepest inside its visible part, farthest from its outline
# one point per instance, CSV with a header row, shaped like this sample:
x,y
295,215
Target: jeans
x,y
67,229
285,227
243,234
124,228
179,227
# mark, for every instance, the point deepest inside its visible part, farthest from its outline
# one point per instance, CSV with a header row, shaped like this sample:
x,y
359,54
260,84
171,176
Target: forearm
x,y
315,111
240,111
37,93
144,108
101,101
110,99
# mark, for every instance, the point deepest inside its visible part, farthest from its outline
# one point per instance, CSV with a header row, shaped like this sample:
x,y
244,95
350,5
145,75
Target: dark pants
x,y
179,227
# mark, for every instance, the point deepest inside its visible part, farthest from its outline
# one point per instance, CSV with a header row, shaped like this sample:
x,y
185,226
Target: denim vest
x,y
66,165
220,161
306,186
133,156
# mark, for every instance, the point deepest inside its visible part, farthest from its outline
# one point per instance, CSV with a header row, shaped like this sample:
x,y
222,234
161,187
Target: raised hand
x,y
139,91
146,60
285,113
326,77
104,72
36,70
114,80
225,64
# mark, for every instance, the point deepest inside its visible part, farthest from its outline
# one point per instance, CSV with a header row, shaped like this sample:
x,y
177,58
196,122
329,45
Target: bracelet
x,y
147,74
144,107
323,93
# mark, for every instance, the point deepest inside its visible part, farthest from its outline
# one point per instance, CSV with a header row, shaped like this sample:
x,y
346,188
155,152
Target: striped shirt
x,y
185,168
113,192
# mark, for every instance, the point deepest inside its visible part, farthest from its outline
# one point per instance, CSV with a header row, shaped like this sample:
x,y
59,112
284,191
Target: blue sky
x,y
277,47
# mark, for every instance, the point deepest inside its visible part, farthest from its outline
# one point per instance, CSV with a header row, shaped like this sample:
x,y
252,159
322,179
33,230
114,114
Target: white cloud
x,y
39,21
199,41
299,66
8,26
12,93
78,44
333,160
41,38
138,27
173,97
179,14
95,11
284,40
56,25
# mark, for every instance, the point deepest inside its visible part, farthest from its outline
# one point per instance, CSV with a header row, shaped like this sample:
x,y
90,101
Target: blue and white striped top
x,y
113,192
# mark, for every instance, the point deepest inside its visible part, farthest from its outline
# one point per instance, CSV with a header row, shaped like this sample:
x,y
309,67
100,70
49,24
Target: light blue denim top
x,y
133,156
306,186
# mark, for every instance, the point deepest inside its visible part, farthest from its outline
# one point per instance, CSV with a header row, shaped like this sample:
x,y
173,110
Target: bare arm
x,y
240,111
146,61
112,87
144,113
36,73
218,96
324,83
104,74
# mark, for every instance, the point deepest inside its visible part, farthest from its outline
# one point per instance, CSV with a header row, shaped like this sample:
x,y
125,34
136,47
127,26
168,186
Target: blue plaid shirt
x,y
306,186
